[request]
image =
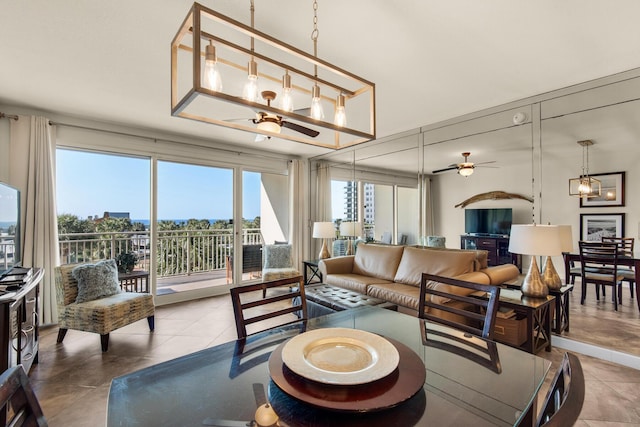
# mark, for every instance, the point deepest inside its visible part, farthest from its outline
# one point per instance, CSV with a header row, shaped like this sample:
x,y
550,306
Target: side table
x,y
537,312
136,281
311,265
561,322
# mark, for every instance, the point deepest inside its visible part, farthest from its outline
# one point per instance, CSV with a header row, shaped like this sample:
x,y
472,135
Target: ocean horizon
x,y
147,222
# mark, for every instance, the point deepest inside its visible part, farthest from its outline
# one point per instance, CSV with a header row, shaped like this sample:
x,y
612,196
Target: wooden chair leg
x,y
61,333
104,340
584,292
151,322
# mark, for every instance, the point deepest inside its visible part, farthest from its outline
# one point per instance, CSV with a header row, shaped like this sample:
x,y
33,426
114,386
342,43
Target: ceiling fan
x,y
274,123
465,168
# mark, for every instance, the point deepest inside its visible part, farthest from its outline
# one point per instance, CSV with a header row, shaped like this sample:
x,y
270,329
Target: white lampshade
x,y
351,228
324,230
566,238
532,239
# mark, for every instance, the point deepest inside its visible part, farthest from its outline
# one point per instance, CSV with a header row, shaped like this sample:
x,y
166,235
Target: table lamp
x,y
535,240
550,276
350,229
324,230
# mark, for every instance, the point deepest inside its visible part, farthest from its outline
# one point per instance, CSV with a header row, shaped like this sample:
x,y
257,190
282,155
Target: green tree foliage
x,y
70,224
114,224
221,224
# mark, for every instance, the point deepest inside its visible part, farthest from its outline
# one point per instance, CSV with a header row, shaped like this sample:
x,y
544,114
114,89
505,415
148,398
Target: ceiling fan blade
x,y
484,163
309,132
446,169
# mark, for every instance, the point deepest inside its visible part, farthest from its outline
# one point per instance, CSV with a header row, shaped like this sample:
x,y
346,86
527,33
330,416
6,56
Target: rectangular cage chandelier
x,y
229,74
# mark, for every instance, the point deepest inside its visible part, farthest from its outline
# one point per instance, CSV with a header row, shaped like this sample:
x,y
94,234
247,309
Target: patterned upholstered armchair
x,y
277,262
103,311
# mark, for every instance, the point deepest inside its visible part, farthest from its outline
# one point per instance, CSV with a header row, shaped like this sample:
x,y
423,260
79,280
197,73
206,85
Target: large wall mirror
x,y
609,115
528,148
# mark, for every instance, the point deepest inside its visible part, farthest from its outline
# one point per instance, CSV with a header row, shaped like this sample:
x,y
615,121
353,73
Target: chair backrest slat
x,y
600,256
266,308
17,395
625,244
475,314
565,397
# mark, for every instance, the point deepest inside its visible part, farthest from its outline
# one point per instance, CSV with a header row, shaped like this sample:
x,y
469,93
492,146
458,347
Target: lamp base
x,y
349,250
550,276
533,286
324,251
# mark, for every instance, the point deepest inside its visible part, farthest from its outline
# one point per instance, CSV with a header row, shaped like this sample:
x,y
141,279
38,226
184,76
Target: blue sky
x,y
90,184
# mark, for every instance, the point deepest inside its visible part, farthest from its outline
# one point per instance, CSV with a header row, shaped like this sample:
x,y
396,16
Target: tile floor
x,y
72,379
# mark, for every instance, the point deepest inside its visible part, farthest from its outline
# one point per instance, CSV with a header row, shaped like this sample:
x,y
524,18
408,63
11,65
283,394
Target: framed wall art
x,y
593,227
612,193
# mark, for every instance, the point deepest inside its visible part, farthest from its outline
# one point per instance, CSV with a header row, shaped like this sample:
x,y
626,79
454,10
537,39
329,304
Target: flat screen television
x,y
10,254
488,222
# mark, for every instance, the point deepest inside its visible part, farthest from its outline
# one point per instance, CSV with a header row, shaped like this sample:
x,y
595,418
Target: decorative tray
x,y
398,386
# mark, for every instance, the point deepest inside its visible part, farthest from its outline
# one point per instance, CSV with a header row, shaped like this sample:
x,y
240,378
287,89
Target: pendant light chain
x,y
252,9
314,36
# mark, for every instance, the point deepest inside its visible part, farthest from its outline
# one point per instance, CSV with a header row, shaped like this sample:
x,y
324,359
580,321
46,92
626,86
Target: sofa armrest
x,y
337,265
474,276
500,274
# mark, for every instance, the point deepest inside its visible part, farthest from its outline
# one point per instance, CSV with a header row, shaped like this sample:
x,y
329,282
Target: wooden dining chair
x,y
448,301
625,248
268,312
604,258
20,405
565,397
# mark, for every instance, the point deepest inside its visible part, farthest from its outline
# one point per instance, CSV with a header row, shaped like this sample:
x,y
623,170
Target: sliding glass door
x,y
194,238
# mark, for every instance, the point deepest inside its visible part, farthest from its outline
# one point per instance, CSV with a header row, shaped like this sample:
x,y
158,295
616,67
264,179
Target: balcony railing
x,y
179,252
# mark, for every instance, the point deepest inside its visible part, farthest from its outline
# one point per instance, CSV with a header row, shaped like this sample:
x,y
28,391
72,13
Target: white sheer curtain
x,y
323,199
32,169
323,187
298,233
427,208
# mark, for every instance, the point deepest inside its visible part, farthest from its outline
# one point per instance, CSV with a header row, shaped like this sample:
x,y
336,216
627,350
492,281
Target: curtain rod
x,y
8,116
150,138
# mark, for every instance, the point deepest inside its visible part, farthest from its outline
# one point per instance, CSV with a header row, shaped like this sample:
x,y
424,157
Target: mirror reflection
x,y
527,149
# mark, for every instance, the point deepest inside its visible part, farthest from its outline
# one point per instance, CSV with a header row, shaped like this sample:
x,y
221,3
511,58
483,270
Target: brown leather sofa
x,y
393,273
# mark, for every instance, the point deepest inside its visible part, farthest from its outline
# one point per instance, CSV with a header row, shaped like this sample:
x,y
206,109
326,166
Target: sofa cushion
x,y
379,261
474,276
97,280
396,293
354,282
441,262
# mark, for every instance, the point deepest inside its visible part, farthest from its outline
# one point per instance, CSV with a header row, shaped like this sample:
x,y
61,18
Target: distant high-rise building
x,y
351,205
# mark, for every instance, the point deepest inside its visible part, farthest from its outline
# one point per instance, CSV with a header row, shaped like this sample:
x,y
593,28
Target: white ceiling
x,y
430,60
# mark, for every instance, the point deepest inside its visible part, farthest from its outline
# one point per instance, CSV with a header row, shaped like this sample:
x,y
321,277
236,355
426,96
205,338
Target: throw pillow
x,y
277,256
97,280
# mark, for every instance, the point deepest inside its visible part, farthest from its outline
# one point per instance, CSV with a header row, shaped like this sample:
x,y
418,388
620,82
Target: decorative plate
x,y
340,356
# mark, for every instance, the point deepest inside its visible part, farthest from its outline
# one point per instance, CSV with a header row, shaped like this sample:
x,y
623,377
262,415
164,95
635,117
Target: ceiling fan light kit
x,y
465,168
210,49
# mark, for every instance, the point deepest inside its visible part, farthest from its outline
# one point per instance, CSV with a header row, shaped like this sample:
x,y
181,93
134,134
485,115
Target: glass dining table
x,y
468,381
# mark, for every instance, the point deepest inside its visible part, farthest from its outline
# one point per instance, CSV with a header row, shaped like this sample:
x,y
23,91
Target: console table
x,y
496,247
19,323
